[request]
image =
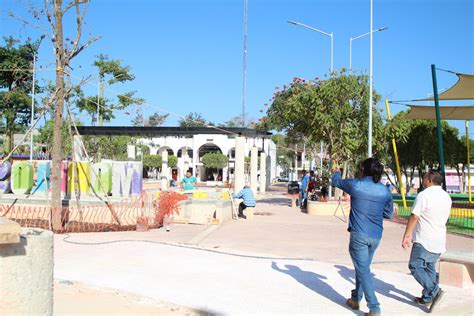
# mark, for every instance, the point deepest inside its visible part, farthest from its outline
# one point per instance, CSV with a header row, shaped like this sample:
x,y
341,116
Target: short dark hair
x,y
434,176
373,168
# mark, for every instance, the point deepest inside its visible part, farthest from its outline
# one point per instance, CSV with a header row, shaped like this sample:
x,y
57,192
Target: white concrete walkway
x,y
223,284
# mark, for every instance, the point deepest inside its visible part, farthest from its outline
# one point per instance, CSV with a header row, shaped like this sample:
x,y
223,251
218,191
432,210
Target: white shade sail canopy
x,y
463,89
423,112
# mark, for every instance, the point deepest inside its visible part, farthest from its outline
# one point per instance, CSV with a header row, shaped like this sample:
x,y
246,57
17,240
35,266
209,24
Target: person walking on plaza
x,y
304,188
426,233
246,195
371,202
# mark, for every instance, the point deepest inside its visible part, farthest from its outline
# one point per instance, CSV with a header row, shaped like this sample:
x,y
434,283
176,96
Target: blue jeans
x,y
422,265
362,249
303,196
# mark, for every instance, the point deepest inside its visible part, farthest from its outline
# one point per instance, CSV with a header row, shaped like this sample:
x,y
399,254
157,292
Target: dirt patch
x,y
72,298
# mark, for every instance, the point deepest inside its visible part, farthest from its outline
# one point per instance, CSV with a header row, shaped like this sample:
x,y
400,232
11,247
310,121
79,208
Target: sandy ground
x,y
74,298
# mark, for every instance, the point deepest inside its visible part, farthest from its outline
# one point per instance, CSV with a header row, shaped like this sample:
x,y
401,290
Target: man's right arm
x,y
406,241
237,195
388,209
343,184
418,207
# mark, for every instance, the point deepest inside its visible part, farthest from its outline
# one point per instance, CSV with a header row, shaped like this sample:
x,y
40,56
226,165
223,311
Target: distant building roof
x,y
169,131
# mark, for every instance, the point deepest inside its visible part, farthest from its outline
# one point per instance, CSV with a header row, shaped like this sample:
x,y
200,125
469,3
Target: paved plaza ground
x,y
285,263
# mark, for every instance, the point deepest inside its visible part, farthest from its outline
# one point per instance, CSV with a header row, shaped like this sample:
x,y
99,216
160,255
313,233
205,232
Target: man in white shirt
x,y
426,229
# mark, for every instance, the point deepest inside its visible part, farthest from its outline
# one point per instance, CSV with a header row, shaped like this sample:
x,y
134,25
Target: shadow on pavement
x,y
381,287
314,282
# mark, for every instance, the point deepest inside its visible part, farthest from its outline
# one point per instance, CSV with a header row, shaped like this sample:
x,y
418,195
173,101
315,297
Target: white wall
x,y
224,142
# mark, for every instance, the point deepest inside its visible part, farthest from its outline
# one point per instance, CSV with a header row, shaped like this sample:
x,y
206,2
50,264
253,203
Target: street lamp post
x,y
370,77
331,35
32,107
357,37
369,146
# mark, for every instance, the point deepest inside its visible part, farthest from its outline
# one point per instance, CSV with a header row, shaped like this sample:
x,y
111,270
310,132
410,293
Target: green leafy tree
x,y
334,110
110,72
156,119
193,119
65,50
151,162
417,145
115,147
45,138
236,121
471,148
16,83
215,161
284,156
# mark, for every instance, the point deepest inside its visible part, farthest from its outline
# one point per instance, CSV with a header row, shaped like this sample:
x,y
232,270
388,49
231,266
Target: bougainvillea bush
x,y
167,205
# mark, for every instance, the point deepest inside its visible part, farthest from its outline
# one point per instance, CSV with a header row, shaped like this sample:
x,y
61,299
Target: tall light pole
x,y
32,107
331,35
369,146
33,97
357,37
244,64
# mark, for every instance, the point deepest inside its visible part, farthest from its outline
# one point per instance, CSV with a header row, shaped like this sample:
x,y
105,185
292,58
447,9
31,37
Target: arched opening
x,y
180,152
230,166
185,163
168,149
206,174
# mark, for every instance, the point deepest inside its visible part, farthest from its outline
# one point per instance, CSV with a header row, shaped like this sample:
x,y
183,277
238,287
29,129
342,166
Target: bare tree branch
x,y
79,18
25,22
80,49
48,14
75,3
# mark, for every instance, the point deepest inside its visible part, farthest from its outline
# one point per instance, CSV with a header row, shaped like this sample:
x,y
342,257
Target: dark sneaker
x,y
437,300
242,216
421,301
352,304
372,314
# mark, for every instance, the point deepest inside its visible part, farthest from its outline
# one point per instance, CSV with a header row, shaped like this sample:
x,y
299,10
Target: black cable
x,y
450,71
182,246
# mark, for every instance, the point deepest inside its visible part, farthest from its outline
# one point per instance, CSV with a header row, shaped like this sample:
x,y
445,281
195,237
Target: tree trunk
x,y
9,138
58,120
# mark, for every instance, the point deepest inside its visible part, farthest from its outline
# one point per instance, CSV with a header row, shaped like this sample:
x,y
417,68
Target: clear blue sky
x,y
187,54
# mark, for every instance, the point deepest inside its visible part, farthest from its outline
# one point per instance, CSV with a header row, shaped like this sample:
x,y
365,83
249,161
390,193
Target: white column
x,y
78,149
185,161
263,172
164,170
303,157
131,152
239,169
295,171
254,169
225,172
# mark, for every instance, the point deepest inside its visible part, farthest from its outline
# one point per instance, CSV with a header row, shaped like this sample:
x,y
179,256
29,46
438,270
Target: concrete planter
x,y
322,208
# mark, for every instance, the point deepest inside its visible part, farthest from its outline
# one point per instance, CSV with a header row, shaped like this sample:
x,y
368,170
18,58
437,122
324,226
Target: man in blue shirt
x,y
246,195
304,188
371,202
